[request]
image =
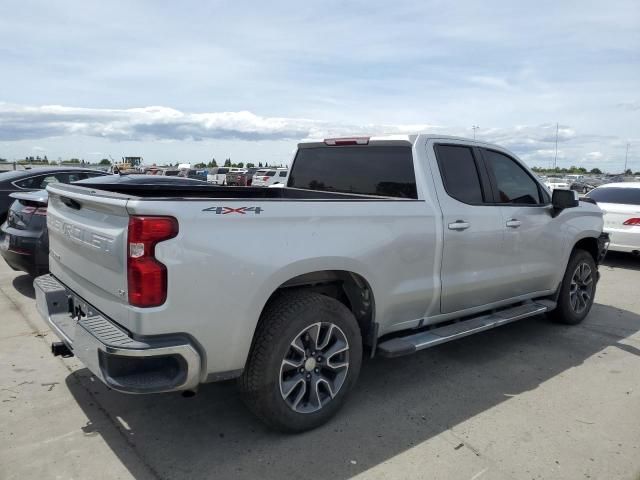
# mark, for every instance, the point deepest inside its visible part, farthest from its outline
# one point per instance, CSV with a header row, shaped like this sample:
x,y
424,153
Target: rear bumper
x,y
624,240
25,253
124,363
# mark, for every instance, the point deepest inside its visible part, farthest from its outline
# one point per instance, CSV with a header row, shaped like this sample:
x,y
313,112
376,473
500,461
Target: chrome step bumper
x,y
406,345
130,365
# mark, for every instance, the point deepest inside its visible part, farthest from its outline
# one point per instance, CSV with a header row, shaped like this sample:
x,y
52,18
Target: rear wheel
x,y
305,358
578,289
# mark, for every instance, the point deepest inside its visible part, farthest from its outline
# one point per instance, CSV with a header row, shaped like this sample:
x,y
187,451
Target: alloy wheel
x,y
314,368
581,289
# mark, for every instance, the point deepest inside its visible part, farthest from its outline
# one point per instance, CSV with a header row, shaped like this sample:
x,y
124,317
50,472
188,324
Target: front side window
x,y
283,174
514,184
459,173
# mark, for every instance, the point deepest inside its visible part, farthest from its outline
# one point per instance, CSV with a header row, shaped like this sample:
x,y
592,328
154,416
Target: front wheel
x,y
578,289
305,358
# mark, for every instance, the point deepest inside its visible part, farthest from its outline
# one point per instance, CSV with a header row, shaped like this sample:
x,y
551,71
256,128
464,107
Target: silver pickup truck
x,y
387,245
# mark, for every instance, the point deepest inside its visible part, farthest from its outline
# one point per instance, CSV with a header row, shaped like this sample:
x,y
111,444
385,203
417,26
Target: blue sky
x,y
185,81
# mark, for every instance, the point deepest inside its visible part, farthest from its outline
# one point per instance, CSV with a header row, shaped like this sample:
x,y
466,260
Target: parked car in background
x,y
38,179
580,186
243,178
556,182
620,203
24,241
196,174
270,176
218,175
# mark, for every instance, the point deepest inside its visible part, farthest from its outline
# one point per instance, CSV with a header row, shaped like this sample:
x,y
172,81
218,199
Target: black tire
x,y
566,311
283,321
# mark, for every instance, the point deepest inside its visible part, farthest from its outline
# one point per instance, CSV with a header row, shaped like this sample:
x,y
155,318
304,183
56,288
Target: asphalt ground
x,y
528,400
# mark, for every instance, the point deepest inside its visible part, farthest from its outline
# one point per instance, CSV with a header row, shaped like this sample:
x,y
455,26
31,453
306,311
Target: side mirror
x,y
562,199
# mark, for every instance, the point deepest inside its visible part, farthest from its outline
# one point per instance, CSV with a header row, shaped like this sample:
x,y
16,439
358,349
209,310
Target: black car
x,y
24,239
37,179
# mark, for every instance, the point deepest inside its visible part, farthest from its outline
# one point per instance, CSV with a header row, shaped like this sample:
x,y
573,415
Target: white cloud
x,y
138,128
19,122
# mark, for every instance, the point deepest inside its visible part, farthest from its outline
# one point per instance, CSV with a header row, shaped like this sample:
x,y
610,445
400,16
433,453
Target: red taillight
x,y
265,178
347,141
146,276
632,221
41,211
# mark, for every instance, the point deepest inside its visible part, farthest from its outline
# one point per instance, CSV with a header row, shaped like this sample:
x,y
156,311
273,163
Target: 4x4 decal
x,y
240,210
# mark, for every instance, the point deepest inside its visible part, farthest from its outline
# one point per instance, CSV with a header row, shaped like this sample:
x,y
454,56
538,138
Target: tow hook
x,y
60,349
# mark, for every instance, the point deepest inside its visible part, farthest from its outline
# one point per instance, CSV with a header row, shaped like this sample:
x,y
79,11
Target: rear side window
x,y
270,173
372,170
459,173
283,174
514,184
627,196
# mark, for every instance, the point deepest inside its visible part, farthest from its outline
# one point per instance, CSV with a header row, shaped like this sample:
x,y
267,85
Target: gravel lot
x,y
528,400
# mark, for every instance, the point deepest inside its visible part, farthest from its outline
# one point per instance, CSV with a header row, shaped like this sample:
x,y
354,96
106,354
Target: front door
x,y
533,248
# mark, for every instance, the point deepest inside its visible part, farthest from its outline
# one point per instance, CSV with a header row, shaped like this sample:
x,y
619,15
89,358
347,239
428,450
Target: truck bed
x,y
161,188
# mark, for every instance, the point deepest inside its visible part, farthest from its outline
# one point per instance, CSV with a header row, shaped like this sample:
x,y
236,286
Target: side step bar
x,y
399,346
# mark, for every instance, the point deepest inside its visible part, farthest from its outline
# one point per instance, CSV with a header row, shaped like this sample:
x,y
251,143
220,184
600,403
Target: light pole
x,y
626,157
555,158
474,127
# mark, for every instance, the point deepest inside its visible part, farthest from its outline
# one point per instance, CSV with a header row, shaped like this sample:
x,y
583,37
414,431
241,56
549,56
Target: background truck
x,y
163,287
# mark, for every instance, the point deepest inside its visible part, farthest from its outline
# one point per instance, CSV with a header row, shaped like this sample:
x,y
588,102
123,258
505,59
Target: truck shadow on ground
x,y
621,260
396,405
24,285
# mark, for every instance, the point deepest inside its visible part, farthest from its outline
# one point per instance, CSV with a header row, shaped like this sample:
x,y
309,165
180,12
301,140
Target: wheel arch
x,y
348,287
590,245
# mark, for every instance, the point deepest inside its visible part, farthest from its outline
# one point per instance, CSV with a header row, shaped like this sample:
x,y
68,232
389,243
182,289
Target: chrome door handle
x,y
513,223
459,225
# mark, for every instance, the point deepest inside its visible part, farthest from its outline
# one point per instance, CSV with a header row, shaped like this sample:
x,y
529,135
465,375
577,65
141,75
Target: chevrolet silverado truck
x,y
385,245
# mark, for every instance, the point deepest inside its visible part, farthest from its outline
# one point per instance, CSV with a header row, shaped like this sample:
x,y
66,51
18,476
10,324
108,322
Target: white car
x,y
270,176
553,182
620,203
218,175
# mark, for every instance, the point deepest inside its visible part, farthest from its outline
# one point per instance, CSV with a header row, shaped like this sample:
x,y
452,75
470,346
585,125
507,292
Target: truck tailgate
x,y
87,241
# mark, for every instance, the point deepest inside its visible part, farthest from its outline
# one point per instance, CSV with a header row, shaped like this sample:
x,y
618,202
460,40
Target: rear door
x,y
472,272
533,248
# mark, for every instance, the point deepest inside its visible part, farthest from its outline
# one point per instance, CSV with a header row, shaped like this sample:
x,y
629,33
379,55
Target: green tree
x,y
249,165
628,172
240,165
227,162
596,171
260,165
200,165
105,161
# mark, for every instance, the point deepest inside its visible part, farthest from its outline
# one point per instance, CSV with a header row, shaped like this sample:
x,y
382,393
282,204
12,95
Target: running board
x,y
399,346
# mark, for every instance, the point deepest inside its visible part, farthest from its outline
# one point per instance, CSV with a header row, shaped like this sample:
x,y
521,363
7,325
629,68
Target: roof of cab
x,y
394,138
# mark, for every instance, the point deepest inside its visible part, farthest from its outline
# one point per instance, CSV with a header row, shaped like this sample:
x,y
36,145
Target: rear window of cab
x,y
384,170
